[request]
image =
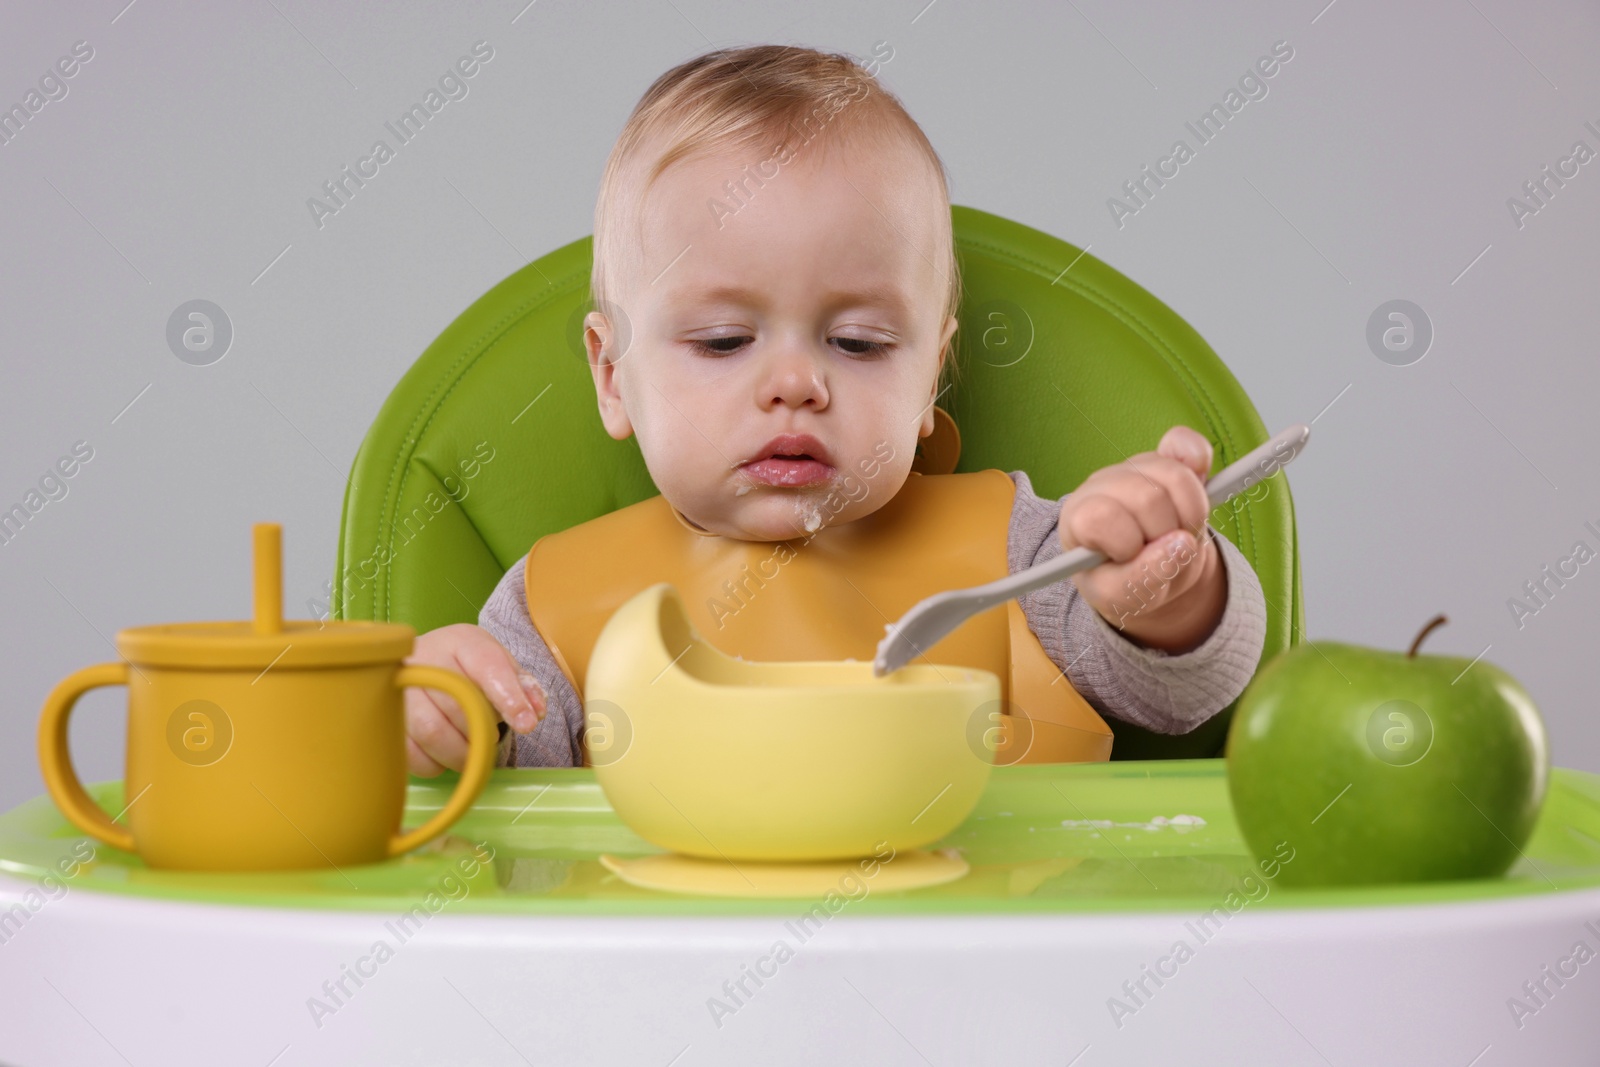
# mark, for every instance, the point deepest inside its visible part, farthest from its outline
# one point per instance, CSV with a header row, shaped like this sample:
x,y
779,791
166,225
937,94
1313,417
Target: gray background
x,y
1377,167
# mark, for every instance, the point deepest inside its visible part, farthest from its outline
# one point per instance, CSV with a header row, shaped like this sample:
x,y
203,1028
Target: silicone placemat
x,y
1064,838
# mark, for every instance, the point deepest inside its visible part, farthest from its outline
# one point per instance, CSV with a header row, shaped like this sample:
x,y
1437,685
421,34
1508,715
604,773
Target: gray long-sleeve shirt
x,y
1169,694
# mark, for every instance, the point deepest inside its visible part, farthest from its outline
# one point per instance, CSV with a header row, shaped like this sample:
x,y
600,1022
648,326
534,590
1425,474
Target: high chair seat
x,y
492,438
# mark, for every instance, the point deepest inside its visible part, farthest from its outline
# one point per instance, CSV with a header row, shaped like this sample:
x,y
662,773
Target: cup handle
x,y
55,761
483,738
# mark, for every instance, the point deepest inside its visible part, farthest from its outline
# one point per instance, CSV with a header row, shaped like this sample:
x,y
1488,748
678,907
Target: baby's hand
x,y
436,727
1162,585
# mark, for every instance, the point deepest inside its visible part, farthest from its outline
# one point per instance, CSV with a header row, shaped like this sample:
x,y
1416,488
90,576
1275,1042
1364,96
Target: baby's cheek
x,y
852,488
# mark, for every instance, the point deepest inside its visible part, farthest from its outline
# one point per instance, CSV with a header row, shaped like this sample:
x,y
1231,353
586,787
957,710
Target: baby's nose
x,y
793,379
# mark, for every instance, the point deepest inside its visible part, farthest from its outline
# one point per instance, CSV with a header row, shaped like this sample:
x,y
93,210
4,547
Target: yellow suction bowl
x,y
708,755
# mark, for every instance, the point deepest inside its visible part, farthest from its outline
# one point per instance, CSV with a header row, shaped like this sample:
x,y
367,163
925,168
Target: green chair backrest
x,y
493,439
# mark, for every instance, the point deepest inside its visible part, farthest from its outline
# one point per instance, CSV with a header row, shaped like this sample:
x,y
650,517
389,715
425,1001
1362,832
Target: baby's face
x,y
817,309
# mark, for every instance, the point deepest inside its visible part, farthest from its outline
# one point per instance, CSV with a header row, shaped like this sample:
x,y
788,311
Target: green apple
x,y
1377,766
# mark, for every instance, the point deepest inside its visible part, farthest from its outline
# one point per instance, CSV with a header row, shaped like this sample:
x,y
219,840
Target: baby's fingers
x,y
419,762
433,742
515,695
1164,569
466,649
1101,522
1176,495
1188,447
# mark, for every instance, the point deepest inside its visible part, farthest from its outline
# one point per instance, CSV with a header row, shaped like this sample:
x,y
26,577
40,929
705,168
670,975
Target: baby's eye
x,y
720,346
727,346
871,349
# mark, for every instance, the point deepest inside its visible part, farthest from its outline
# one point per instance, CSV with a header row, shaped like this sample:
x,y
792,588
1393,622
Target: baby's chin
x,y
766,513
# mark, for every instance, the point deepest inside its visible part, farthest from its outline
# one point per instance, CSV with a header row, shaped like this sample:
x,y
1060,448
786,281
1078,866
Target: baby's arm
x,y
1165,693
557,740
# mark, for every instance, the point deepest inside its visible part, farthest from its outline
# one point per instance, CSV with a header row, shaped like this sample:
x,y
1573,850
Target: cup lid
x,y
298,643
267,640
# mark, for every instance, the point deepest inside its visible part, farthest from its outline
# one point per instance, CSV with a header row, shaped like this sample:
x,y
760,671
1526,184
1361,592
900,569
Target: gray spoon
x,y
931,619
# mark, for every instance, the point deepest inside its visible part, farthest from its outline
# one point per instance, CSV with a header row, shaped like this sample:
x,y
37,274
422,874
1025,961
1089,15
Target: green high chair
x,y
493,439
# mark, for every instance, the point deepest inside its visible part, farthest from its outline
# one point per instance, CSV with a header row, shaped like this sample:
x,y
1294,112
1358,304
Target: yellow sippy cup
x,y
263,744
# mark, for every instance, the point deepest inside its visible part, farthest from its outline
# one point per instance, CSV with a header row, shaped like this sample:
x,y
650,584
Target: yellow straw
x,y
269,577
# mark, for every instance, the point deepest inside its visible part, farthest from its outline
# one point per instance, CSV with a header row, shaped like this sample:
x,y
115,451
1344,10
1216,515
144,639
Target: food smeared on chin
x,y
810,514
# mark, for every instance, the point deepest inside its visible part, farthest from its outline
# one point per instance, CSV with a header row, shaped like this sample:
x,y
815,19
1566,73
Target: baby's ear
x,y
929,419
945,356
603,367
613,412
944,340
595,332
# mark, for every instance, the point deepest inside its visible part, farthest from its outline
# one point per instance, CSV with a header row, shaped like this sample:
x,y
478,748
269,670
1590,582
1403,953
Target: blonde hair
x,y
756,98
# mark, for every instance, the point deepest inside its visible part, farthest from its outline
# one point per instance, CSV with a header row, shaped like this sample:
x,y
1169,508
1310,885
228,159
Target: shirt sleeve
x,y
558,740
1164,693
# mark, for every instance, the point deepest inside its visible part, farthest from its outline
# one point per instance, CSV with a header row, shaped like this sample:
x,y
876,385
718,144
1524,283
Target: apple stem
x,y
1416,643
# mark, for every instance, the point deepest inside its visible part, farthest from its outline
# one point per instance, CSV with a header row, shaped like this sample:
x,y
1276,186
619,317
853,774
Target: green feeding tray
x,y
1072,838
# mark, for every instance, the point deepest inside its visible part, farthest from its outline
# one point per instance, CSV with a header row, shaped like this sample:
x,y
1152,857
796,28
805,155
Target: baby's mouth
x,y
788,471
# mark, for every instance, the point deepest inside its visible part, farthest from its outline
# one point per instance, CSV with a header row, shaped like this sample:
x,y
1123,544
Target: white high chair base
x,y
91,979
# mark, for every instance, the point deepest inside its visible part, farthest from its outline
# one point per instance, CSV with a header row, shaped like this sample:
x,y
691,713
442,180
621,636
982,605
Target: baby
x,y
777,290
